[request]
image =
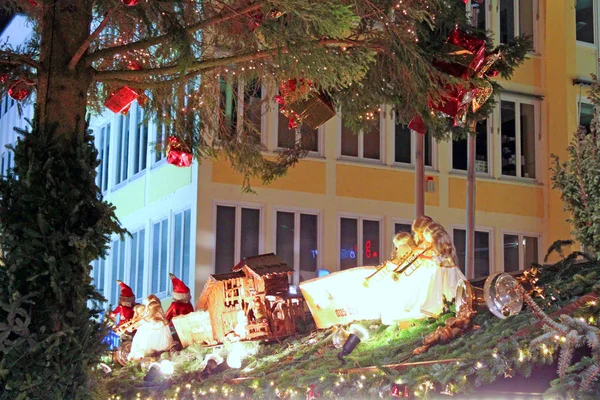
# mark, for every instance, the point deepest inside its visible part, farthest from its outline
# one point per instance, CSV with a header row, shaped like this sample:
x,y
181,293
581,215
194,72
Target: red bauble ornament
x,y
176,156
395,390
19,90
130,3
121,99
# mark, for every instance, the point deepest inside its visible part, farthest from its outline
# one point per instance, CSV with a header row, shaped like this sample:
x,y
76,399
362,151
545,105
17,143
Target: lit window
x,y
519,140
159,267
237,236
584,21
482,251
517,17
299,248
359,242
520,251
181,245
586,113
136,262
459,151
365,144
117,267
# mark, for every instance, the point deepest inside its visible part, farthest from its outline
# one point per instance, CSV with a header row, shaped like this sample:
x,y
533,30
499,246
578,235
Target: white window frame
x,y
128,266
595,44
518,100
237,249
158,294
361,141
413,149
521,235
485,229
517,27
297,212
359,246
177,270
490,163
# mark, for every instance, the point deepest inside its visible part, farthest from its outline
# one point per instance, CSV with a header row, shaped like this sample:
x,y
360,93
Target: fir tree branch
x,y
589,377
146,43
86,43
209,64
10,58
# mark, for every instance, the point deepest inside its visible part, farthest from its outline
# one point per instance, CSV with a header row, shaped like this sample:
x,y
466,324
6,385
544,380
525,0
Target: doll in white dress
x,y
154,334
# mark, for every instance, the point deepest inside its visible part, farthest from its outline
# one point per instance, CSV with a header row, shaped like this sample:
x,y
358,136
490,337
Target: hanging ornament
x,y
176,156
311,393
302,103
19,90
130,3
120,99
395,390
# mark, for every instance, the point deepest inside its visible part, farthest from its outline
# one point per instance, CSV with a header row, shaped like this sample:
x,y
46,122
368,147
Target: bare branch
x,y
144,44
9,57
86,43
205,65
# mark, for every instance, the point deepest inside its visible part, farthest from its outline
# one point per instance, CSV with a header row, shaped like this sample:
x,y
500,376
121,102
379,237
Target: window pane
x,y
402,144
428,150
164,233
144,146
372,140
481,147
99,179
187,219
136,141
482,254
459,154
119,149
253,103
348,242
507,20
585,116
133,262
115,270
225,239
308,245
511,253
140,264
228,105
177,244
402,228
530,251
285,137
526,17
527,141
509,136
121,274
101,276
370,243
478,13
584,20
155,257
309,137
125,144
285,237
460,244
349,142
106,157
249,237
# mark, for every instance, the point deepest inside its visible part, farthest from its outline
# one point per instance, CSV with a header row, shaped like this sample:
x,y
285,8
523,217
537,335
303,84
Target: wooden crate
x,y
194,328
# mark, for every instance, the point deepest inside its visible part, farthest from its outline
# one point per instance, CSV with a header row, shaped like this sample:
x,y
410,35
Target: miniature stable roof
x,y
261,265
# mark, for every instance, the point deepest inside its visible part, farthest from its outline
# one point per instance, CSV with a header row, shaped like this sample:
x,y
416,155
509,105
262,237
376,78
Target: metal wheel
x,y
120,355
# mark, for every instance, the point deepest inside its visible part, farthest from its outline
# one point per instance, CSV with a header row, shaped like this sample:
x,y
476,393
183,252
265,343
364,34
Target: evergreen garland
x,y
53,224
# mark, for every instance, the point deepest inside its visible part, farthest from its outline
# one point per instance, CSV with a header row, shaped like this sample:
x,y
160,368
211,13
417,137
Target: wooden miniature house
x,y
253,301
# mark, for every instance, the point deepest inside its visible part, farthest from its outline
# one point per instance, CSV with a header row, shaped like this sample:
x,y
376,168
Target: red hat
x,y
127,295
180,290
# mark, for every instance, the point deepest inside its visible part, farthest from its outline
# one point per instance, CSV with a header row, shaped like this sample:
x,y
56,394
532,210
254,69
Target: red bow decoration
x,y
175,155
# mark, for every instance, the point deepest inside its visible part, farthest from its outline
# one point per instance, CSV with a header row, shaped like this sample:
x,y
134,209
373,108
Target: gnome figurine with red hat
x,y
126,303
181,299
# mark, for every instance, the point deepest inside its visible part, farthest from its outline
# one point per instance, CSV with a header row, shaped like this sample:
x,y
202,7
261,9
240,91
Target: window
x,y
159,269
118,268
482,251
518,134
400,227
365,144
459,150
287,138
230,94
160,142
6,162
140,142
477,12
181,245
104,156
136,262
122,149
237,235
586,113
405,145
520,251
98,271
359,242
297,243
584,21
517,17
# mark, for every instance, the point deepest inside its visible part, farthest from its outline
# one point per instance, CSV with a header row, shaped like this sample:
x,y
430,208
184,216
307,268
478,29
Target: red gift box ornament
x,y
302,103
130,3
120,99
175,155
19,90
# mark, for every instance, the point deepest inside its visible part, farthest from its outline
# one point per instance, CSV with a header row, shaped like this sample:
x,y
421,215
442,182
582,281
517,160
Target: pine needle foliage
x,y
49,338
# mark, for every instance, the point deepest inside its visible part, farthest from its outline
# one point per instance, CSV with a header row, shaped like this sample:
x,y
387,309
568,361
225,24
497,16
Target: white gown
x,y
150,337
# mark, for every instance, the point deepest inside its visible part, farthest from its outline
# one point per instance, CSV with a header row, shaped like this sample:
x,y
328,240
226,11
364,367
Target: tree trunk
x,y
470,246
420,176
62,93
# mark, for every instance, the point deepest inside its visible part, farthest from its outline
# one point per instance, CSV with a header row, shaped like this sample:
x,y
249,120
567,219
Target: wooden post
x,y
420,176
470,234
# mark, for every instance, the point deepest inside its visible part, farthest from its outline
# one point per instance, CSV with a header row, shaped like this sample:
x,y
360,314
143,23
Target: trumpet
x,y
131,325
388,268
408,265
